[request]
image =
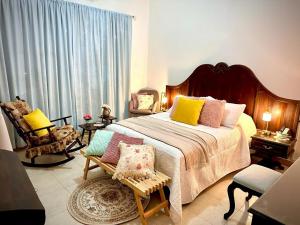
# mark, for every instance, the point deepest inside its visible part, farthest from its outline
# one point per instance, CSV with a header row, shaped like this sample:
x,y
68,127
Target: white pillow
x,y
145,101
248,125
210,98
232,114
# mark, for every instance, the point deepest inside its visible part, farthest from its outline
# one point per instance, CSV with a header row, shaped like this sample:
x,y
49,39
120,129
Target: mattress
x,y
232,153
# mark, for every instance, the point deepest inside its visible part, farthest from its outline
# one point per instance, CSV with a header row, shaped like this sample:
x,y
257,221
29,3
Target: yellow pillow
x,y
36,120
187,110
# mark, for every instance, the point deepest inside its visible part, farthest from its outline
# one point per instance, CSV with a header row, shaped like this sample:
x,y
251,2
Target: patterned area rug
x,y
103,201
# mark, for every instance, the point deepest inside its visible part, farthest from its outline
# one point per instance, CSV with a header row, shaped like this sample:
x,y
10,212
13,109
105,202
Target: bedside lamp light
x,y
163,101
267,116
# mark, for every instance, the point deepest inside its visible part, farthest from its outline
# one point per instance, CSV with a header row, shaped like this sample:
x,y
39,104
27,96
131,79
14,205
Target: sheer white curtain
x,y
64,58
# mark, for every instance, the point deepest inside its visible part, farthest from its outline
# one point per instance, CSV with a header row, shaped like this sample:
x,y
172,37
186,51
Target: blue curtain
x,y
65,58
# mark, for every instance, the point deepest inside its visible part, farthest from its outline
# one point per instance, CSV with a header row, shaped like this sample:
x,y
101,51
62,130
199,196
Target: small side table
x,y
90,127
272,149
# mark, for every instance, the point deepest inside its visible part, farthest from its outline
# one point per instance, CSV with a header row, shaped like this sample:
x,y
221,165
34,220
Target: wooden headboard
x,y
238,84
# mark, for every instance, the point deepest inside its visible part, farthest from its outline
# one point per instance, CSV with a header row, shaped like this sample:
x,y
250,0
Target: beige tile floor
x,y
54,185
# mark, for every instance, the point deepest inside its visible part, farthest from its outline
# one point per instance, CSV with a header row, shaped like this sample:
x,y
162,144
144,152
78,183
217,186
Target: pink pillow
x,y
112,153
212,113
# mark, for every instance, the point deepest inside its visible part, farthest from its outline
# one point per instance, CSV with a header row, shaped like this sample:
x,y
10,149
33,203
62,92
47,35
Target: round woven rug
x,y
103,201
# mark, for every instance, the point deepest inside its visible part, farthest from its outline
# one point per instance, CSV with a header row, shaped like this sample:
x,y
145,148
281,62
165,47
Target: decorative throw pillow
x,y
134,99
232,114
136,161
99,142
172,109
145,101
187,110
36,120
112,153
212,113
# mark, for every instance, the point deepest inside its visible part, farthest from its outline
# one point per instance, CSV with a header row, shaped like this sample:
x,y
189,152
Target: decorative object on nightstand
x,y
163,102
270,148
87,117
106,110
267,116
283,134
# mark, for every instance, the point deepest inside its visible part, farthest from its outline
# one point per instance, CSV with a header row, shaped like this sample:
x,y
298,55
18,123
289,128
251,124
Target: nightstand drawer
x,y
269,148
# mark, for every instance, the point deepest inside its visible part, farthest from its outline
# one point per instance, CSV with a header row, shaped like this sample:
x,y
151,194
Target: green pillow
x,y
99,142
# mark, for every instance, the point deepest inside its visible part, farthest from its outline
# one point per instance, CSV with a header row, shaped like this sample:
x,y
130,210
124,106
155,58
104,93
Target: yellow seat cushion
x,y
36,120
187,110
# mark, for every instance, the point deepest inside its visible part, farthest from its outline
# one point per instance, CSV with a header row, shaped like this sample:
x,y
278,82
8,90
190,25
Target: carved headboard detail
x,y
238,84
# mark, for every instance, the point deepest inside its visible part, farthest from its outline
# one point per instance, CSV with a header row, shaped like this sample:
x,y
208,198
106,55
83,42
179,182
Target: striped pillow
x,y
112,153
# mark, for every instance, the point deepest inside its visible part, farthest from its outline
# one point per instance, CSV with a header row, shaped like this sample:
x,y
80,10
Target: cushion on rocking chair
x,y
57,133
63,136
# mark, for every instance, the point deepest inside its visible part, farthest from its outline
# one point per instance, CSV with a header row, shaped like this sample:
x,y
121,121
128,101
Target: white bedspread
x,y
232,154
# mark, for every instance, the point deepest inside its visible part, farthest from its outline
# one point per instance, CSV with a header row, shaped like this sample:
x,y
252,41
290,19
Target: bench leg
x,y
163,199
249,196
140,208
230,191
86,168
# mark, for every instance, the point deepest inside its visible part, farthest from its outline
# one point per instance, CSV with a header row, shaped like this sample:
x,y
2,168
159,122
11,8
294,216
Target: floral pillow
x,y
134,99
145,101
136,161
112,153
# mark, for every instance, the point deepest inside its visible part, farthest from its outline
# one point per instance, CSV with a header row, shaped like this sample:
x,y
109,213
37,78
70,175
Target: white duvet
x,y
231,154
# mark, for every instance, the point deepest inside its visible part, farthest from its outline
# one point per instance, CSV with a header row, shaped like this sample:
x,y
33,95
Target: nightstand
x,y
270,148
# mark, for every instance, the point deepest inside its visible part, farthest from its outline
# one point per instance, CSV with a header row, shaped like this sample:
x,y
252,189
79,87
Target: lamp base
x,y
266,132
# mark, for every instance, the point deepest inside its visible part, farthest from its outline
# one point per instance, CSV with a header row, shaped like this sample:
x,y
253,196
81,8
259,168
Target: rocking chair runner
x,y
58,140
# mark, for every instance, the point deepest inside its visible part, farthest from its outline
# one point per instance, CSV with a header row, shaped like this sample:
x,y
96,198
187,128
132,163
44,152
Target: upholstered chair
x,y
133,107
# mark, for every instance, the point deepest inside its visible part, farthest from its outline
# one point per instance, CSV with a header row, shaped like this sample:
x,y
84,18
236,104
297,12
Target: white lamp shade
x,y
267,116
164,100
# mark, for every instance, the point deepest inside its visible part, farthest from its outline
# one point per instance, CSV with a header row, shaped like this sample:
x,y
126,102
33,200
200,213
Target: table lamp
x,y
267,116
163,101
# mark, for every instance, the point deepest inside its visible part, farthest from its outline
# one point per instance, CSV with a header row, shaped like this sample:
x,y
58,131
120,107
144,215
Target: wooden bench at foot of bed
x,y
141,188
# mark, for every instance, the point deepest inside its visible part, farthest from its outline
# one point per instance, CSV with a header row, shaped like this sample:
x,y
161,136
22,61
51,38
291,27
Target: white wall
x,y
261,34
140,10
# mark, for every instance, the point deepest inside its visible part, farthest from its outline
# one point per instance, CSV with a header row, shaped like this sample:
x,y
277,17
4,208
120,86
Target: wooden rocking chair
x,y
59,140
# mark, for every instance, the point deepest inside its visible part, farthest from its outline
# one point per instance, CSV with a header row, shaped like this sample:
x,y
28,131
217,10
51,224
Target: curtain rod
x,y
95,7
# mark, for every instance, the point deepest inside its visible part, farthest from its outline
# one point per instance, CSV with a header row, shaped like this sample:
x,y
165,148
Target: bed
x,y
236,84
